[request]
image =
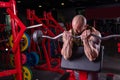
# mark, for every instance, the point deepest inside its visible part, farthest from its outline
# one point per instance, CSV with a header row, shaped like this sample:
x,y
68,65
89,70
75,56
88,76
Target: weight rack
x,y
15,22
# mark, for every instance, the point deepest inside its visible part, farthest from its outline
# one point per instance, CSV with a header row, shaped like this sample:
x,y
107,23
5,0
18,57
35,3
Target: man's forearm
x,y
67,49
87,49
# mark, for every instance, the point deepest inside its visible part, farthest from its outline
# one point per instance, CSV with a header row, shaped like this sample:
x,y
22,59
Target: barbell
x,y
38,34
29,27
25,41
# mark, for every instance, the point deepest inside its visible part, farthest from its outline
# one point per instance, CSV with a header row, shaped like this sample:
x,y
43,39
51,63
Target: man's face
x,y
77,25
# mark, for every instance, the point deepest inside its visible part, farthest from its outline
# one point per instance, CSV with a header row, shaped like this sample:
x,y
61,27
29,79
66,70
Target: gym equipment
x,y
8,24
79,61
32,59
12,60
25,42
23,59
34,26
18,29
29,27
27,73
118,45
38,34
48,24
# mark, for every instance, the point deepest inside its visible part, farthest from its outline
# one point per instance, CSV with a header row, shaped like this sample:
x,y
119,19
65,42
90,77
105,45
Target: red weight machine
x,y
17,36
45,28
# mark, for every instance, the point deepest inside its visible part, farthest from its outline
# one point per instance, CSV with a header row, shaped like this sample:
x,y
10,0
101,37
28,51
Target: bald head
x,y
79,22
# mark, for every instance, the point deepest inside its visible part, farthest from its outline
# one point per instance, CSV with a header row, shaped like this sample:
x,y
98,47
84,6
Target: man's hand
x,y
67,36
85,35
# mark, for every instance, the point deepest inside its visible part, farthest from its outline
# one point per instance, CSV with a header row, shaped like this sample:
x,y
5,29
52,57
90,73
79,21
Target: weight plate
x,y
32,59
24,43
12,60
37,34
23,58
27,73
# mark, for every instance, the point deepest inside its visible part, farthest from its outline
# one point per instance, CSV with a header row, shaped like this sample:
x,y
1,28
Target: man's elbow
x,y
92,58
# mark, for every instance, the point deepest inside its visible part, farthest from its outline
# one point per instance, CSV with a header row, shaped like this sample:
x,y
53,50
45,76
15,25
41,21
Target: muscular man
x,y
80,28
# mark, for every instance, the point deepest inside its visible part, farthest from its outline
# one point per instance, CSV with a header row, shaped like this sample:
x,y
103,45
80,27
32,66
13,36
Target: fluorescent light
x,y
6,49
18,1
62,3
40,6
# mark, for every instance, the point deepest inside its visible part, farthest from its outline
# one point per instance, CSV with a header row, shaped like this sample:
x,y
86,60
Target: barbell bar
x,y
34,26
107,37
29,27
38,34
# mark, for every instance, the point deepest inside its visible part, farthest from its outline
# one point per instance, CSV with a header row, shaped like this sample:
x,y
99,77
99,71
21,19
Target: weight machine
x,y
46,21
16,24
